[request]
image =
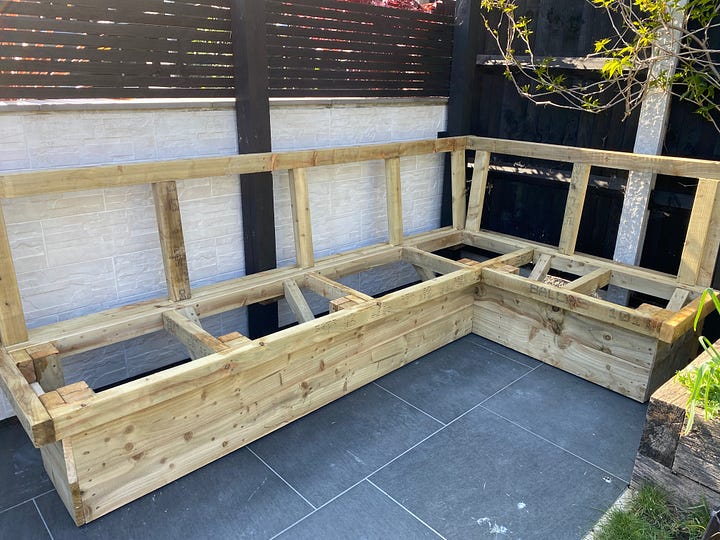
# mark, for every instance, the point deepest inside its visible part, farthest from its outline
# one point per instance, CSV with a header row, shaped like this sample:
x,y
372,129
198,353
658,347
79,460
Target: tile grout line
x,y
404,508
26,501
506,357
281,478
410,404
42,518
557,446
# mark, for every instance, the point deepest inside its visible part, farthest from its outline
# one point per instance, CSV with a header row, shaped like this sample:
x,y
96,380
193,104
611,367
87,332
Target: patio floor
x,y
471,441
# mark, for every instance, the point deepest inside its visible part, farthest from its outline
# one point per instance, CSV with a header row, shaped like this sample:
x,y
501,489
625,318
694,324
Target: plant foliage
x,y
656,45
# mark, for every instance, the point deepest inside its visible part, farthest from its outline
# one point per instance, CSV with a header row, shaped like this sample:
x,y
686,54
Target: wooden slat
x,y
27,406
23,184
329,288
394,200
703,225
346,302
457,164
678,299
297,302
184,324
25,364
432,262
573,208
673,166
478,187
425,274
12,319
48,366
302,226
682,321
541,268
172,242
591,282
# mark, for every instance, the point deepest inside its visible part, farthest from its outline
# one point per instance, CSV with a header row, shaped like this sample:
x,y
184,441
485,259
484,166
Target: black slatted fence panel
x,y
115,48
326,48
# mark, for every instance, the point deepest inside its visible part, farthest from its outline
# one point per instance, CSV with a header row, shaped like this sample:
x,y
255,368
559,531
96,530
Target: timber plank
x,y
393,190
541,268
478,187
573,208
678,299
330,289
705,217
297,302
457,182
59,462
172,243
302,226
184,324
12,319
589,283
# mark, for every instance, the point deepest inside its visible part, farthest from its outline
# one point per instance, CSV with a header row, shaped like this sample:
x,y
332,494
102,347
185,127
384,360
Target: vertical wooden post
x,y
172,243
462,89
252,109
459,200
12,319
574,208
697,261
478,186
394,200
302,227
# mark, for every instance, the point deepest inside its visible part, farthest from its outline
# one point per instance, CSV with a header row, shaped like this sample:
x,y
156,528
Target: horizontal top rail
x,y
27,183
674,166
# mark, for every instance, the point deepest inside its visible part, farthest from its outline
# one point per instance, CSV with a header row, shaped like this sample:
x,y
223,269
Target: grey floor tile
x,y
503,350
596,424
331,449
363,512
452,379
235,497
483,477
22,523
22,475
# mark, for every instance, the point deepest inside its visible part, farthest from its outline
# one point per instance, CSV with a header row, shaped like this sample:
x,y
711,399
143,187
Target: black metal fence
x,y
183,48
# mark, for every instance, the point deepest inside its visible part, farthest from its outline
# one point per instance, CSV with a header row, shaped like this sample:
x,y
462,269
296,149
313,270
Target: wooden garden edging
x,y
104,449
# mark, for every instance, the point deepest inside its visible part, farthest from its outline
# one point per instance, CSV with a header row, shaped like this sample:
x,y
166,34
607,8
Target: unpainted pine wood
x,y
393,192
541,268
31,413
574,208
673,166
24,184
346,302
302,226
478,188
682,321
616,358
591,282
114,403
330,289
172,242
234,338
287,386
25,364
457,176
12,318
59,462
704,222
430,261
49,371
678,299
425,274
297,302
184,324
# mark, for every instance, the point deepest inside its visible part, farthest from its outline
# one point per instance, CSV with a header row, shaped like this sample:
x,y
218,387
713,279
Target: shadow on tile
x,y
452,379
484,477
589,420
235,497
363,512
326,452
22,475
22,523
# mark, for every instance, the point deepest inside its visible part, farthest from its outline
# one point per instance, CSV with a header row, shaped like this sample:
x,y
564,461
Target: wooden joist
x,y
302,226
697,261
430,261
329,288
573,208
172,242
678,299
457,175
393,189
185,325
541,268
297,302
478,187
591,282
48,367
12,320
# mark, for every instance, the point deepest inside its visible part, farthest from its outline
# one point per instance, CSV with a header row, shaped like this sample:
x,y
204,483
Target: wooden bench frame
x,y
105,449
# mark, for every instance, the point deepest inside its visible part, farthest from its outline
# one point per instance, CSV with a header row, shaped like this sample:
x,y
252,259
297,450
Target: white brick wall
x,y
78,253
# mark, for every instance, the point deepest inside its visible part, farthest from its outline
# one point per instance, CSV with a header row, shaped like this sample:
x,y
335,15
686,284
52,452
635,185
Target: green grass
x,y
650,516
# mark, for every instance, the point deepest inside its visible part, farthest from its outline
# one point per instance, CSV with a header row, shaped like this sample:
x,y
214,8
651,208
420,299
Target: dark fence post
x,y
252,109
462,86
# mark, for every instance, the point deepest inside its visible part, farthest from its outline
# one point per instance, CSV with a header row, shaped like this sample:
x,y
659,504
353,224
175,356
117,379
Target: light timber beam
x,y
184,324
697,261
12,319
394,200
457,171
425,274
330,289
48,367
302,227
478,187
172,243
541,268
346,302
297,302
591,282
573,208
430,261
678,299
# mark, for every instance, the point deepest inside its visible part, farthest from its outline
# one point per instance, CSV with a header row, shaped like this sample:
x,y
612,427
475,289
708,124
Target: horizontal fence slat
x,y
359,47
333,64
25,92
355,83
91,69
283,56
119,80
